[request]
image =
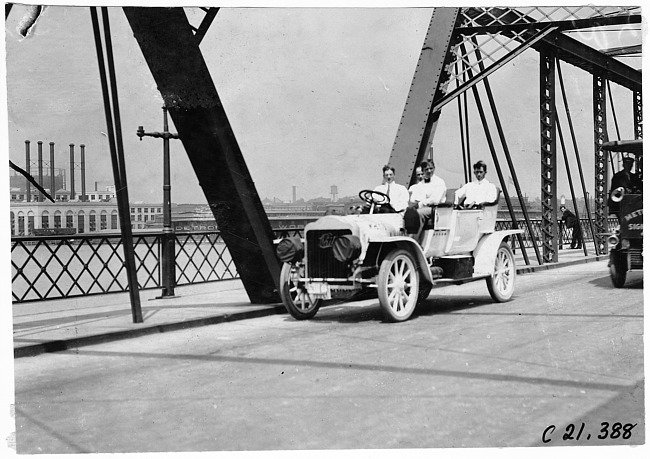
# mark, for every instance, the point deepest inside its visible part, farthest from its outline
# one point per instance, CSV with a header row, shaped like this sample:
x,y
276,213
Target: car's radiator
x,y
320,258
636,257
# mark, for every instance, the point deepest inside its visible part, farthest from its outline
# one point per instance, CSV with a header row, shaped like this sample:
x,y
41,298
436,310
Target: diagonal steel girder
x,y
419,121
593,61
172,53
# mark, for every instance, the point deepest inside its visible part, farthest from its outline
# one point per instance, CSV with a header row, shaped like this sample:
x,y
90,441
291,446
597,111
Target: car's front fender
x,y
486,251
378,248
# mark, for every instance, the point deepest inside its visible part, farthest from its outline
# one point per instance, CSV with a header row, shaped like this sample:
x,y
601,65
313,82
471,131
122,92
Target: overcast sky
x,y
314,96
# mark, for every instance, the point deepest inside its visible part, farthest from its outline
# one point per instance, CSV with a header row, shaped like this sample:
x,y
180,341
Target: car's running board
x,y
464,280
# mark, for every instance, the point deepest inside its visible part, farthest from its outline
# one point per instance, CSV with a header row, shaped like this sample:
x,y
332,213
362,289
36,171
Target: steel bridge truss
x,y
461,48
484,40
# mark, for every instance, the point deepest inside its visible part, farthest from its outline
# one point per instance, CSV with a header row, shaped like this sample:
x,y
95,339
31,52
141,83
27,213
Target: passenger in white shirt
x,y
478,192
398,194
430,192
420,177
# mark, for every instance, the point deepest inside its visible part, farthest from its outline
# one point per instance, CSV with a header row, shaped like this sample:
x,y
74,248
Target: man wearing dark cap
x,y
624,179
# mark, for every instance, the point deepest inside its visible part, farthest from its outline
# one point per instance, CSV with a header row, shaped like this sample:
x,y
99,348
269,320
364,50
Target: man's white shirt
x,y
398,194
477,192
429,193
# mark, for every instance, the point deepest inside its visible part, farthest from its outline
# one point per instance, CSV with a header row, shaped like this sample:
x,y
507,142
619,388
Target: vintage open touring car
x,y
341,255
626,241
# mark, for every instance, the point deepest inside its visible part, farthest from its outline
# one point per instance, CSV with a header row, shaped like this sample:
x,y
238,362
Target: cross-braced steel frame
x,y
483,41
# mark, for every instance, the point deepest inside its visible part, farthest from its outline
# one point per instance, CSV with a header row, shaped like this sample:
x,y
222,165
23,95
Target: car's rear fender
x,y
486,251
378,249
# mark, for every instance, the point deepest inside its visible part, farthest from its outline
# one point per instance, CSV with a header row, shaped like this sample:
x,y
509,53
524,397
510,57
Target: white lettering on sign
x,y
631,215
635,226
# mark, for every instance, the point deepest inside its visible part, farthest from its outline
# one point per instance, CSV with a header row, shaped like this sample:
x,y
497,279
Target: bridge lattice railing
x,y
49,267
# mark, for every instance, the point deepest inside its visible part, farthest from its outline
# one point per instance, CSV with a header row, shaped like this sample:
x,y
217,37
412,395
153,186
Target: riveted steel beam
x,y
600,137
593,61
638,126
418,121
548,119
182,76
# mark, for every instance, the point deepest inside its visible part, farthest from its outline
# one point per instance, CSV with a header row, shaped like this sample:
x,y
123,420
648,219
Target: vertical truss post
x,y
418,123
600,137
637,101
638,125
548,118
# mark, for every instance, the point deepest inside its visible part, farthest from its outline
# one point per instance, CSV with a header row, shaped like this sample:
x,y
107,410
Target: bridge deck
x,y
54,325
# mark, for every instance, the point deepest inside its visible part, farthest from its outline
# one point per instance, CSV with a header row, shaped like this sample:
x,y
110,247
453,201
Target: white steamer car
x,y
343,255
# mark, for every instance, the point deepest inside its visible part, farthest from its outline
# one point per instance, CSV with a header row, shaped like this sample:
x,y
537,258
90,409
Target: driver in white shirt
x,y
398,194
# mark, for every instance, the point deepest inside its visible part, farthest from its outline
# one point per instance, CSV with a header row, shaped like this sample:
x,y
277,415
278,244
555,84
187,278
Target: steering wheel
x,y
374,197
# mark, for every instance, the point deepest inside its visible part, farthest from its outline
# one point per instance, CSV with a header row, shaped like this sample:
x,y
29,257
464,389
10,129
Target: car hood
x,y
365,226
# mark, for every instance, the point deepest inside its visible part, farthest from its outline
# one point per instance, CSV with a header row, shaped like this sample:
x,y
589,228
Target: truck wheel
x,y
501,284
398,285
294,295
618,269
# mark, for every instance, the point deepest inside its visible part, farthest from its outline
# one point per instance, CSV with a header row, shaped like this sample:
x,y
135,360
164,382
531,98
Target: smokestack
x,y
71,171
83,172
95,186
294,194
27,168
52,183
41,198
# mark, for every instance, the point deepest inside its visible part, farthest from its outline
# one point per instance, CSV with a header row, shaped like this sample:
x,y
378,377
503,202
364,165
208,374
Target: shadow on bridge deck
x,y
56,325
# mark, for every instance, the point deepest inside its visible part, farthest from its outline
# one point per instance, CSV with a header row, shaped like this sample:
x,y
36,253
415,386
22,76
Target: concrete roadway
x,y
464,372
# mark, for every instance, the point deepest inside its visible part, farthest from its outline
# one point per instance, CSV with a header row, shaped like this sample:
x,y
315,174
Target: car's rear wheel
x,y
294,295
618,269
501,284
398,285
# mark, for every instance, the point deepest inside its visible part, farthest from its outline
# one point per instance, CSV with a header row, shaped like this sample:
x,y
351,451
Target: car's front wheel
x,y
398,285
294,295
501,284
